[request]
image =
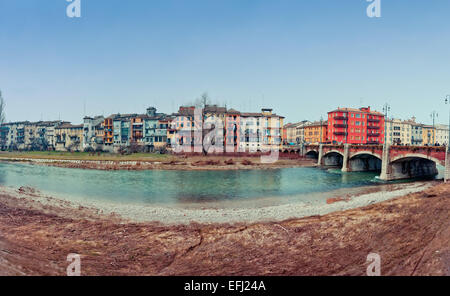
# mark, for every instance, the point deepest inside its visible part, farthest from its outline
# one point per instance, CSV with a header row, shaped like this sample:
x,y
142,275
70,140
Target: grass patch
x,y
86,156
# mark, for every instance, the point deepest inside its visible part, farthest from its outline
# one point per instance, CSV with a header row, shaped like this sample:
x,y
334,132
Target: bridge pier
x,y
345,162
302,150
320,160
386,168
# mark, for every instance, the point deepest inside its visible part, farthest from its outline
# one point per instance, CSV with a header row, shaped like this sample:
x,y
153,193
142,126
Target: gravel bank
x,y
179,215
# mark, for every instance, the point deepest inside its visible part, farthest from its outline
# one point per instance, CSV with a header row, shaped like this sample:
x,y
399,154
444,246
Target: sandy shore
x,y
232,213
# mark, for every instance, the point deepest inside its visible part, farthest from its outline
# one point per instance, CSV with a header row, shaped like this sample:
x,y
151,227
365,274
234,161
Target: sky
x,y
302,58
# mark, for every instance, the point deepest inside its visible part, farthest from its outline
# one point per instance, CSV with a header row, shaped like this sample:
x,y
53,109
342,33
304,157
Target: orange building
x,y
316,132
108,134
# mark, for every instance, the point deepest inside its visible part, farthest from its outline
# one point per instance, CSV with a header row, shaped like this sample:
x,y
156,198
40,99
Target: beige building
x,y
289,133
261,131
273,124
441,134
416,132
295,132
300,131
398,132
69,137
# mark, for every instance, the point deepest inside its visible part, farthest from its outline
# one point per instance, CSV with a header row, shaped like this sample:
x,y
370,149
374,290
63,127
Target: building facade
x,y
399,132
441,134
429,135
227,130
300,131
92,127
355,126
416,132
69,137
316,132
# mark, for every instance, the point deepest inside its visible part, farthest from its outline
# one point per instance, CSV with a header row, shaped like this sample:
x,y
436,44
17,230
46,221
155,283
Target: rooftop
x,y
361,110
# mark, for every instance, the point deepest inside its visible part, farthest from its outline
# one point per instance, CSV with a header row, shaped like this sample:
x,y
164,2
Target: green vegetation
x,y
87,156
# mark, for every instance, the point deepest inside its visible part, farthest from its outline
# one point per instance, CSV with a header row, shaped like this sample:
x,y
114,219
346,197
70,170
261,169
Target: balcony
x,y
340,133
373,120
340,118
373,127
373,135
340,125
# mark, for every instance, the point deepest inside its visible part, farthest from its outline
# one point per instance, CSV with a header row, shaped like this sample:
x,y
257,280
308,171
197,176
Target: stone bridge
x,y
394,162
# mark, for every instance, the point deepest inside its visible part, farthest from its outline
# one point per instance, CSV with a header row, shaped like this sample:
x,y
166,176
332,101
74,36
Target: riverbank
x,y
141,161
411,233
226,212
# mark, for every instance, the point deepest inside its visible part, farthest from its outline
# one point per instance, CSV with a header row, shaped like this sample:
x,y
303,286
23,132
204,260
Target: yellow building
x,y
69,137
429,135
316,132
274,129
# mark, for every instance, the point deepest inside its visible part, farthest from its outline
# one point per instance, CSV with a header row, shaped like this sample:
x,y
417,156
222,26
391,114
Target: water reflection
x,y
180,186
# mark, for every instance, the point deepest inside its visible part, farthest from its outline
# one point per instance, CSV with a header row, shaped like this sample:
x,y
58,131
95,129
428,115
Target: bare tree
x,y
203,100
2,109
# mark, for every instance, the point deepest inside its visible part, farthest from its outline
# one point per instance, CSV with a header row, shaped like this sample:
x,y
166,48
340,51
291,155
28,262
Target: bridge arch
x,y
418,156
366,152
365,161
414,166
313,154
333,158
334,151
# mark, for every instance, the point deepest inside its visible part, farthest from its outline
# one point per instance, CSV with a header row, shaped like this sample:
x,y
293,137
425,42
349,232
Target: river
x,y
181,187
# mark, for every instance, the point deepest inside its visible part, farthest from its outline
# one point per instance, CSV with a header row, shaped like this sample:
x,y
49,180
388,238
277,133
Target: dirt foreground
x,y
410,233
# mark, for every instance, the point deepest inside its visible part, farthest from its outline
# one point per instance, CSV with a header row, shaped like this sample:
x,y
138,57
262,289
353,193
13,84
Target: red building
x,y
355,126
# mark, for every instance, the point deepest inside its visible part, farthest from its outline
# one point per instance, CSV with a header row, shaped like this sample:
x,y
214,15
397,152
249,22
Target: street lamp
x,y
434,115
447,101
386,110
321,120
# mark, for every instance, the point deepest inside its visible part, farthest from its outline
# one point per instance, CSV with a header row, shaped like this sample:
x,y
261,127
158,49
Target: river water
x,y
182,187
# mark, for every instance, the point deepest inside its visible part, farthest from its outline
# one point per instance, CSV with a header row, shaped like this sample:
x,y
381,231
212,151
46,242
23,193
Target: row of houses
x,y
364,126
42,135
152,131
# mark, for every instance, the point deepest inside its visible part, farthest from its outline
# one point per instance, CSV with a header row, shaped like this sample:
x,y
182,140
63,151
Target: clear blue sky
x,y
302,58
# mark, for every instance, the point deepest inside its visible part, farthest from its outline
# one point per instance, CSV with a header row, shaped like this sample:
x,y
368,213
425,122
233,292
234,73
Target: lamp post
x,y
434,115
447,101
447,161
321,120
386,110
